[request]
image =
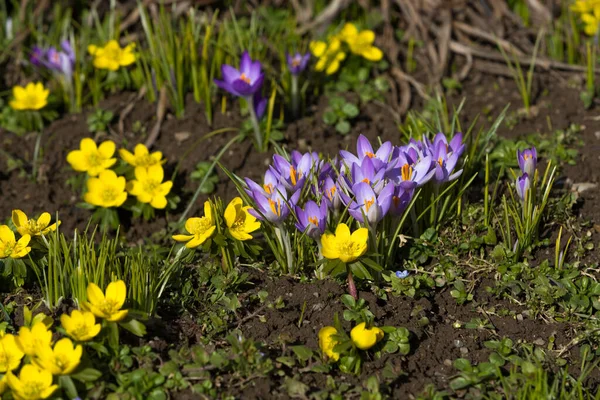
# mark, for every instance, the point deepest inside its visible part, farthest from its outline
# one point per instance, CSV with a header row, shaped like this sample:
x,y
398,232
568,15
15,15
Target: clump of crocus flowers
x,y
304,196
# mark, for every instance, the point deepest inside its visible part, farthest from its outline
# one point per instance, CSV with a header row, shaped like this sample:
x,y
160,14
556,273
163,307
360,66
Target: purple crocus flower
x,y
331,193
367,173
297,63
260,105
454,146
364,149
61,61
244,82
527,161
293,174
522,185
409,172
444,164
38,56
401,198
368,204
274,207
270,181
313,219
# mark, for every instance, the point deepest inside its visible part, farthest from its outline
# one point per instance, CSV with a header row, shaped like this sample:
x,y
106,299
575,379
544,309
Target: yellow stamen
x,y
369,203
366,180
268,188
441,162
313,220
369,154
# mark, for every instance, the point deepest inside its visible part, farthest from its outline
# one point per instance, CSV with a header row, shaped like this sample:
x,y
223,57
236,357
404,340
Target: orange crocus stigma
x,y
369,154
440,161
294,175
268,188
313,220
406,172
245,78
331,193
369,203
275,207
366,180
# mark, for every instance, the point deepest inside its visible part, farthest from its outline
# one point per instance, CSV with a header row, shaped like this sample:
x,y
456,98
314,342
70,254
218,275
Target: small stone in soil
x,y
464,350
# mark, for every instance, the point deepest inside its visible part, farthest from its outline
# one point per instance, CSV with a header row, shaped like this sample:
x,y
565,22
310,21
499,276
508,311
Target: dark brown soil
x,y
434,346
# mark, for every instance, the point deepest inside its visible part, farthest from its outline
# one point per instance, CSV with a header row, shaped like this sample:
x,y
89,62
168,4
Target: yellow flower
x,y
106,306
361,43
31,226
591,21
61,360
30,340
10,354
31,97
107,190
141,157
329,56
344,246
33,383
199,229
585,6
9,247
327,342
91,158
81,326
365,338
112,56
149,187
239,222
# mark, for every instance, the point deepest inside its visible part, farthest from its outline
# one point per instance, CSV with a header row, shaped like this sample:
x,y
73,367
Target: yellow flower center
x,y
109,306
245,78
240,220
80,331
113,53
151,186
145,161
33,389
109,194
348,248
202,226
406,172
95,159
61,361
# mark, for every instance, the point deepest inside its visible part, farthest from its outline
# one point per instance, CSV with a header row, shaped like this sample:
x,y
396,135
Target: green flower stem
x,y
255,126
36,154
295,98
284,241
